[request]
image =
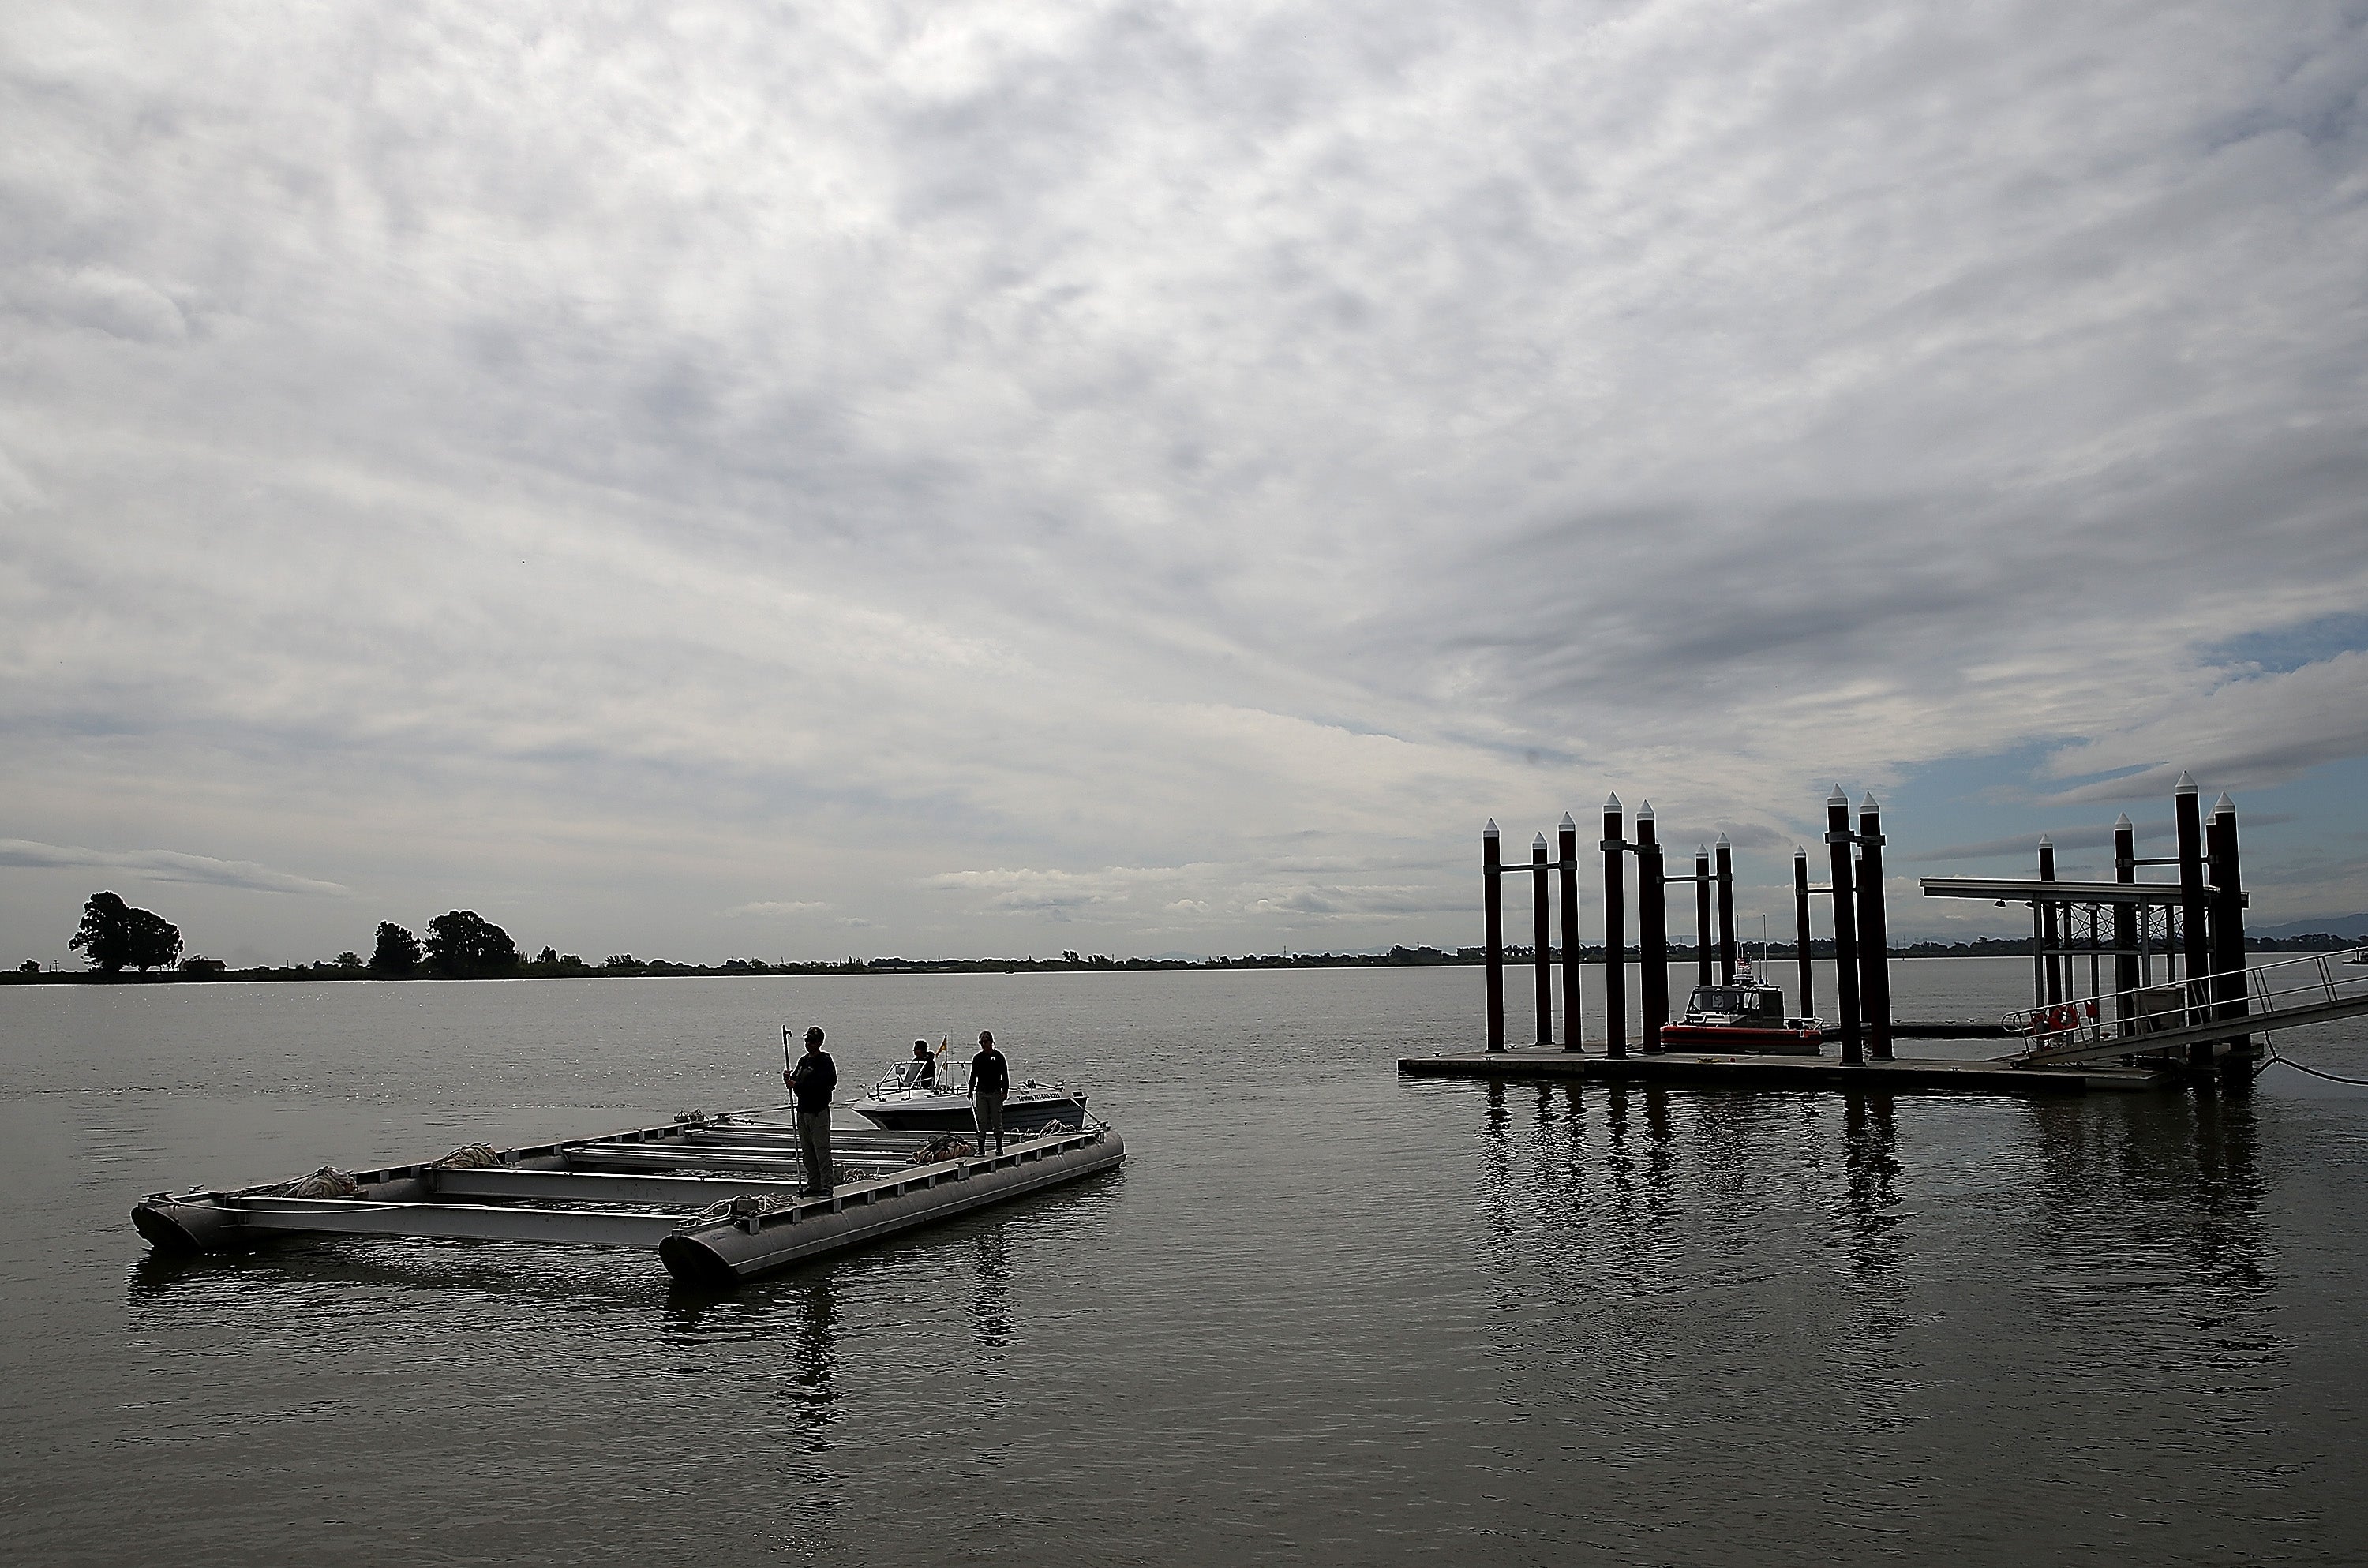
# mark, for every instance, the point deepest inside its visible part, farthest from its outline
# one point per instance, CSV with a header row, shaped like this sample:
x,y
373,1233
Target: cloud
x,y
97,298
659,448
2244,734
775,907
166,866
2086,837
1026,891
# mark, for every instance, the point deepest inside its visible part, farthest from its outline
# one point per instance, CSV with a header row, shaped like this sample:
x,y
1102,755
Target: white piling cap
x,y
2122,821
2046,842
1839,798
1645,811
1610,802
1490,831
1799,853
2186,783
1722,838
1566,822
1539,841
1702,851
2224,806
1868,804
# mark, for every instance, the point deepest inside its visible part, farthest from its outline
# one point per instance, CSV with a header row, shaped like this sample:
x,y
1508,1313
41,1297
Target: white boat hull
x,y
1025,1110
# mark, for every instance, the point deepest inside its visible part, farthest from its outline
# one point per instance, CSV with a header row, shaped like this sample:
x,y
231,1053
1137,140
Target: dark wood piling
x,y
1493,919
2195,949
2051,960
2125,922
1725,911
1703,955
1801,931
2229,997
1652,928
1874,931
1615,930
1838,843
1567,873
1542,948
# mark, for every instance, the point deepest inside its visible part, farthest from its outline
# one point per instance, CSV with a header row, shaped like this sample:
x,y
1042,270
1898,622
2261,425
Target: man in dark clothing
x,y
811,1081
921,1073
990,1080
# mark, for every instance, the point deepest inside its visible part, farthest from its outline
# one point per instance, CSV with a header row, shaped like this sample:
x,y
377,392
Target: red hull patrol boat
x,y
1745,1016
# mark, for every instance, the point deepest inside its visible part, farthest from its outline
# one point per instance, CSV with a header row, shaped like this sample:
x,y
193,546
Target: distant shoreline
x,y
1398,958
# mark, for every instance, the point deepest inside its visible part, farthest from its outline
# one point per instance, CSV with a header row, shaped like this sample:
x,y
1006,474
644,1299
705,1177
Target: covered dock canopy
x,y
2026,889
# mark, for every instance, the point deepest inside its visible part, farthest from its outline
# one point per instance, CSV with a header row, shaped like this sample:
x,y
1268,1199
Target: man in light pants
x,y
811,1081
990,1080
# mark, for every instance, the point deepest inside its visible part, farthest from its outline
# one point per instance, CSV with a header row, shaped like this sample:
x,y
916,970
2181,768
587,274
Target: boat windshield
x,y
1737,999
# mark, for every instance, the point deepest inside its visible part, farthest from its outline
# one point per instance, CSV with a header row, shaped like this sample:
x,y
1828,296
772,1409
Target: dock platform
x,y
716,1196
1903,1074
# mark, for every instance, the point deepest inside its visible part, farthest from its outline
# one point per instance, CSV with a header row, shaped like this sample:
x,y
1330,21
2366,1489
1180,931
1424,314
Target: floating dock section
x,y
1755,1071
717,1196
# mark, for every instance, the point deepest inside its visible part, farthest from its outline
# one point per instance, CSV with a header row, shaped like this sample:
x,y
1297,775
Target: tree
x,y
113,934
464,943
396,956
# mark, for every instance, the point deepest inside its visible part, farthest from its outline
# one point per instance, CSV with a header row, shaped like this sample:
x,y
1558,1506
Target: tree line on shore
x,y
464,945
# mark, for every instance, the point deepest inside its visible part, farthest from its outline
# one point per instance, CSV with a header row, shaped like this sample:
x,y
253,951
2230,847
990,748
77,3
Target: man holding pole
x,y
811,1081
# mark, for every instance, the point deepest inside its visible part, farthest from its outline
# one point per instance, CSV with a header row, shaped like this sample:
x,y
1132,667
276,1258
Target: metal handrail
x,y
2086,1017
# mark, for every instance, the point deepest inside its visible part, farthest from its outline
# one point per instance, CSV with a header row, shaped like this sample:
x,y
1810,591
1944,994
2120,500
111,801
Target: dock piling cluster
x,y
2201,1026
2193,928
1859,905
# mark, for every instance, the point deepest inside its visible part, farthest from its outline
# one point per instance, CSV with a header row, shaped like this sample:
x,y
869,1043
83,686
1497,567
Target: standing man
x,y
990,1080
811,1081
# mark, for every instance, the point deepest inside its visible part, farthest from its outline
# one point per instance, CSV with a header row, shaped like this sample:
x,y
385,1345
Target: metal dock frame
x,y
715,1197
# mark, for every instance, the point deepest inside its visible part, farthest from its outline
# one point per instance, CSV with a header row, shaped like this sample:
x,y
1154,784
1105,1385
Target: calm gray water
x,y
1323,1315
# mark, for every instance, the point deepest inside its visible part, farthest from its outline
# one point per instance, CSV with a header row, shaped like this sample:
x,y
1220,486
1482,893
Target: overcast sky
x,y
852,478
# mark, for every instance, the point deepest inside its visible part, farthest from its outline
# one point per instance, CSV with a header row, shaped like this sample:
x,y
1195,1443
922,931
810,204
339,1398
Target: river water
x,y
1324,1314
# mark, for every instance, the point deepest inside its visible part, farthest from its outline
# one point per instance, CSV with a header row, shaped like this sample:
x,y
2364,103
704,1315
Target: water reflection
x,y
2163,1200
582,1279
815,1338
1637,1171
1870,1185
2152,1194
990,1305
1505,1204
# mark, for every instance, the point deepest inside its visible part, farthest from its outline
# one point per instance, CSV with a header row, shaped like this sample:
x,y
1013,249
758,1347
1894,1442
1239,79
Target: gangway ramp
x,y
2291,993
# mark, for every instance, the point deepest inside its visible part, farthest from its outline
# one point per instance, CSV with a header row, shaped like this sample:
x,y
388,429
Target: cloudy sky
x,y
966,478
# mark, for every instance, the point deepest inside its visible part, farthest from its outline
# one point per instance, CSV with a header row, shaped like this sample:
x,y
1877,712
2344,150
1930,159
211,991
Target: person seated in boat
x,y
921,1073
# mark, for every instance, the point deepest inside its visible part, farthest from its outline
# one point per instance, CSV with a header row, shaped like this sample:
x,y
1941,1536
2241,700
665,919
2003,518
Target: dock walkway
x,y
1752,1071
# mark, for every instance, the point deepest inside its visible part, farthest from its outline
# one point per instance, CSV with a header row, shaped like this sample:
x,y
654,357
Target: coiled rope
x,y
326,1182
744,1205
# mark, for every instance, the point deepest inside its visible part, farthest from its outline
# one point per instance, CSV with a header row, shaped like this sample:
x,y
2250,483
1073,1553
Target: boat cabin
x,y
1741,1003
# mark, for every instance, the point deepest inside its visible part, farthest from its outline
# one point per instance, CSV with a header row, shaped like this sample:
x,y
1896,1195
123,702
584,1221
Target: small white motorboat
x,y
910,1100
